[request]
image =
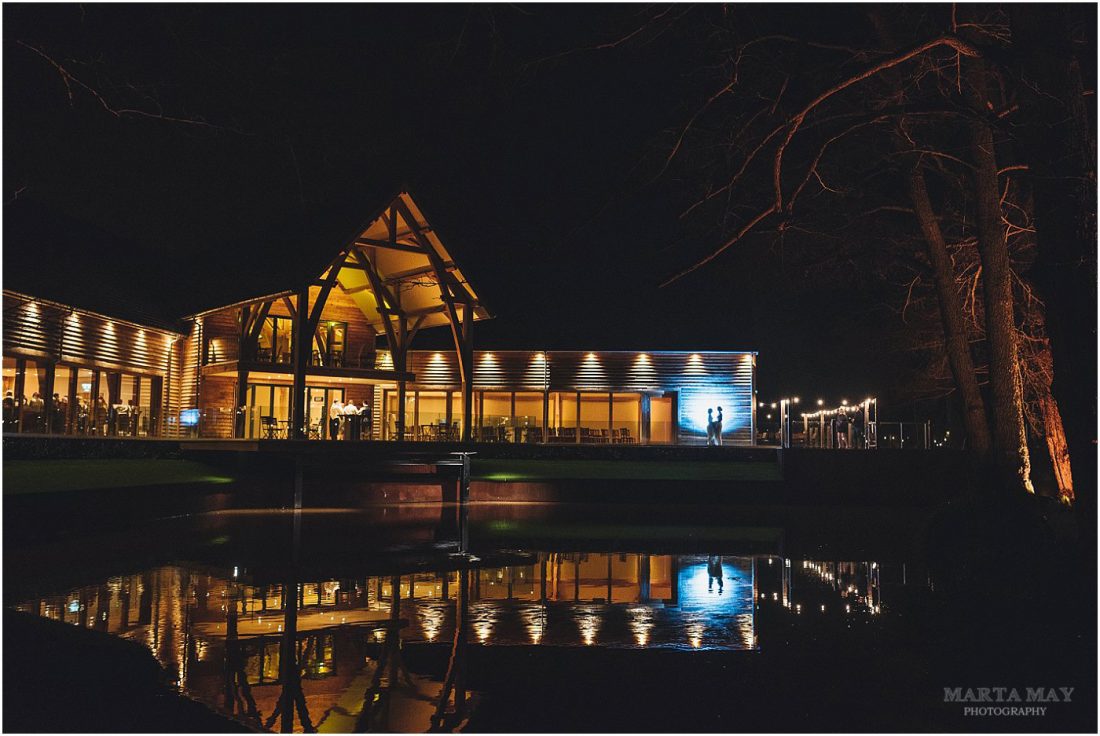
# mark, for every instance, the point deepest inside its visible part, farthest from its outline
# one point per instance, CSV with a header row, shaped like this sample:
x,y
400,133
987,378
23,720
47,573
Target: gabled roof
x,y
394,249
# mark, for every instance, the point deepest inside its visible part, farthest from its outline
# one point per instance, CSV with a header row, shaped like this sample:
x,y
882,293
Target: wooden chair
x,y
269,428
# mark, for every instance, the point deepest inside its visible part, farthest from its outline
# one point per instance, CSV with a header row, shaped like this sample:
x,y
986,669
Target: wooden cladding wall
x,y
222,328
221,333
701,381
186,383
218,406
585,371
59,334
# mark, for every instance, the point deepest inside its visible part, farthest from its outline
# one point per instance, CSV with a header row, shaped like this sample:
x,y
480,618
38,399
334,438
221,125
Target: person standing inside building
x,y
351,420
100,418
36,406
9,412
335,411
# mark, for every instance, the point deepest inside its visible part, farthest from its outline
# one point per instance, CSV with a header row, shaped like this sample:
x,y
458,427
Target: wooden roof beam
x,y
413,272
445,276
387,245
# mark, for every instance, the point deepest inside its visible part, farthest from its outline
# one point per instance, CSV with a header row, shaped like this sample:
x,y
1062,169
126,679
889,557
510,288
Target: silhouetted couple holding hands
x,y
714,428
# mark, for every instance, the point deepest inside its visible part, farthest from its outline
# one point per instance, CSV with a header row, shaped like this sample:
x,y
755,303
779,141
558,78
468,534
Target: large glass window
x,y
274,343
595,418
267,415
329,344
431,416
12,396
389,428
32,414
126,406
662,430
60,411
496,417
563,417
529,416
456,414
626,413
83,413
318,401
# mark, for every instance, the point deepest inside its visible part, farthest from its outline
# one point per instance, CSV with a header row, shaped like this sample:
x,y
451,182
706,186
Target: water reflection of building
x,y
205,628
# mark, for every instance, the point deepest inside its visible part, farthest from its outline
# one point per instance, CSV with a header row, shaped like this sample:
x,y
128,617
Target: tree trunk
x,y
1060,148
955,339
1057,447
1009,436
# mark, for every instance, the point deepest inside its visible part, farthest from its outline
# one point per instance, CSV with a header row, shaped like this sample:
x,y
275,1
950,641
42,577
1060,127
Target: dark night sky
x,y
537,150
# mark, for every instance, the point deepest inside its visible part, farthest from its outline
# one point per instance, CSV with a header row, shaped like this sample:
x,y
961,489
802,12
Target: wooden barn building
x,y
286,360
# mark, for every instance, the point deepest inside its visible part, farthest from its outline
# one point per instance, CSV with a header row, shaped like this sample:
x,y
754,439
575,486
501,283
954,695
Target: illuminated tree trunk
x,y
955,339
1057,446
1059,138
1009,436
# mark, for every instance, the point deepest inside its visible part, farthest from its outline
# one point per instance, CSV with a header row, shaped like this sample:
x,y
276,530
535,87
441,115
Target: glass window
x,y
60,411
529,416
496,417
11,396
82,407
274,343
563,417
432,416
125,406
661,428
32,415
390,427
267,415
456,413
595,418
329,344
626,412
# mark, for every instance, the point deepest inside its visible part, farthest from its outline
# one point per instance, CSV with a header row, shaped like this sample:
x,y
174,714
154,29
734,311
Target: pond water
x,y
545,606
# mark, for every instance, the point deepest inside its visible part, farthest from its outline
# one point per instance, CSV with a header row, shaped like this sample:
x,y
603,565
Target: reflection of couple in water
x,y
714,572
714,428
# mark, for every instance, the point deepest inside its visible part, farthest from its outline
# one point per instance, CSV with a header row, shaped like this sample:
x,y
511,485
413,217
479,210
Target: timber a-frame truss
x,y
402,279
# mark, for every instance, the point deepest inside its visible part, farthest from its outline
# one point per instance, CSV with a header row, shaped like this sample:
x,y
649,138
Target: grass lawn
x,y
532,470
49,476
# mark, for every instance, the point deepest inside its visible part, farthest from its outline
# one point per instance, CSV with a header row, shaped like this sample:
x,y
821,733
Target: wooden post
x,y
399,366
301,351
70,421
242,418
545,416
466,357
156,403
20,388
610,415
45,390
578,437
450,411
